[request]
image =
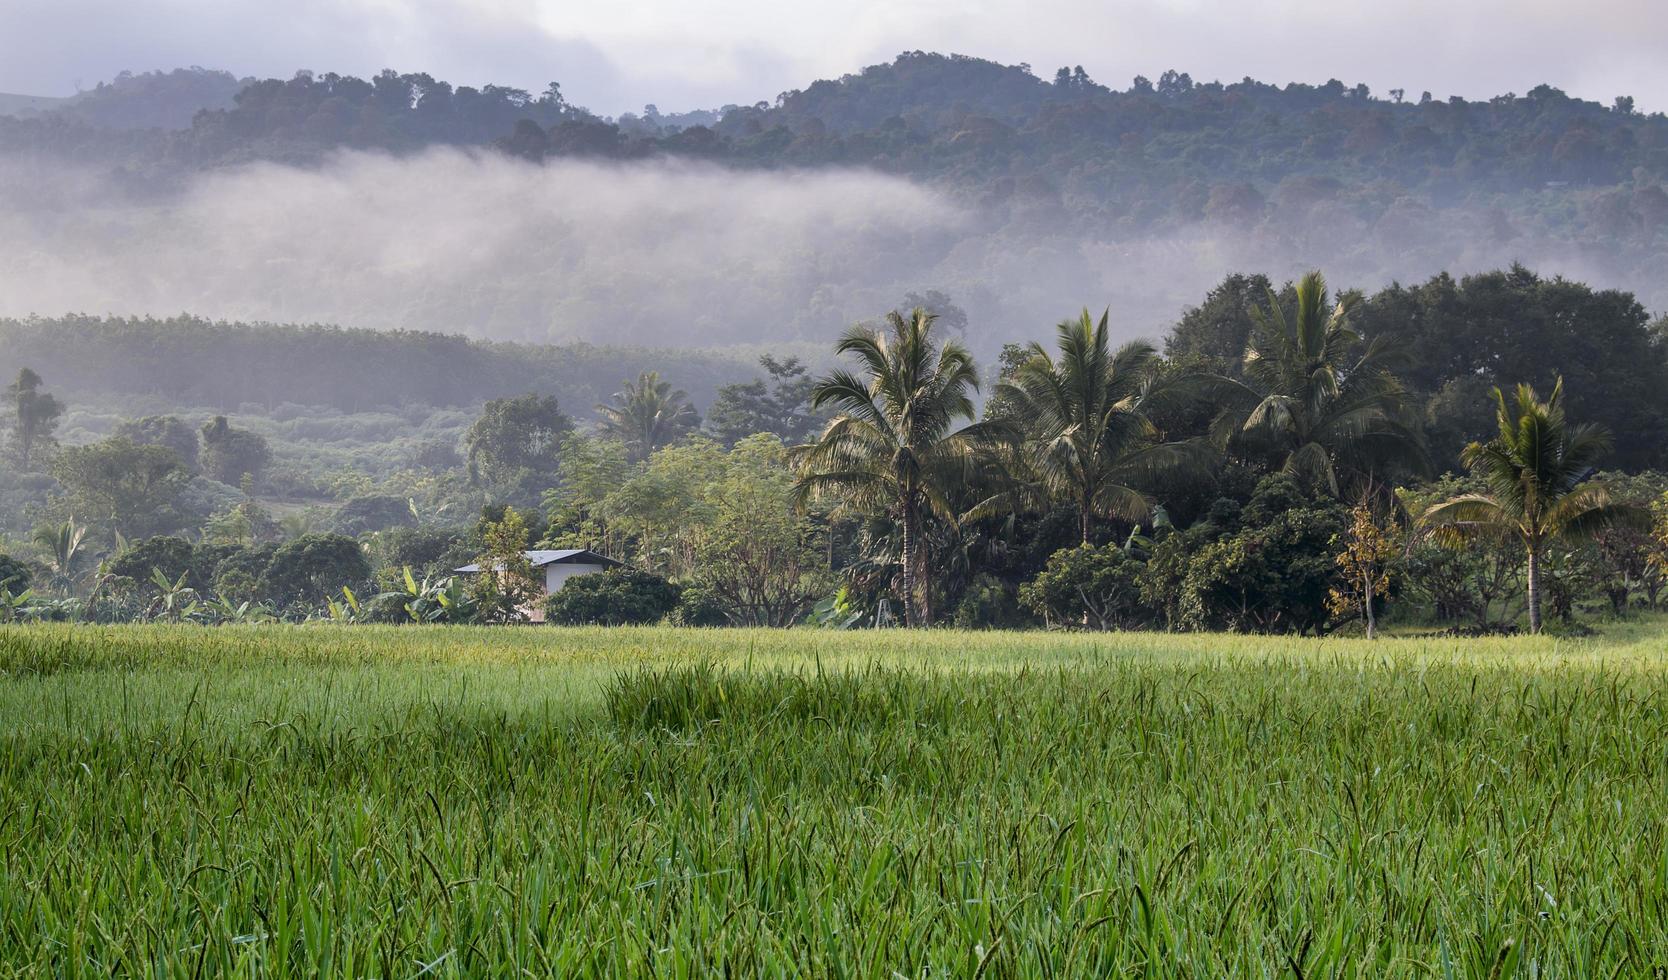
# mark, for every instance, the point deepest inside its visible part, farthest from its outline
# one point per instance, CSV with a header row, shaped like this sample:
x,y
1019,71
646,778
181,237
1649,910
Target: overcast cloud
x,y
614,56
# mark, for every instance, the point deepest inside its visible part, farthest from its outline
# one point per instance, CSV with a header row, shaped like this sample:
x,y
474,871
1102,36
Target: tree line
x,y
1325,475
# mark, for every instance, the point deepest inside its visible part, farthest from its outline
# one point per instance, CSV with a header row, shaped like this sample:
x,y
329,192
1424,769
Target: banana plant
x,y
14,608
175,601
348,610
836,612
431,601
224,610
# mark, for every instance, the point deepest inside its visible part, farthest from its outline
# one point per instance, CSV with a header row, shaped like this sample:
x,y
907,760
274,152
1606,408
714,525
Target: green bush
x,y
1099,588
314,567
989,604
618,597
14,575
697,606
1273,574
172,556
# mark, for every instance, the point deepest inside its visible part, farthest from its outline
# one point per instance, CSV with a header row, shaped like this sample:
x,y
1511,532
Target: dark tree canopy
x,y
782,407
1216,332
1461,338
163,430
314,567
515,441
231,454
35,415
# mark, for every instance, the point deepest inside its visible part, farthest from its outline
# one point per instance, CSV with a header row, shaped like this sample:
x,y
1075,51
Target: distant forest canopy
x,y
1452,338
147,100
190,362
923,114
1142,195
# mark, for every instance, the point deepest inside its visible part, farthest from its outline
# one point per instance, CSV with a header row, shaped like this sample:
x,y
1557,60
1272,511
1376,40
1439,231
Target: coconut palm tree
x,y
902,442
1318,395
1536,471
648,414
1089,440
65,553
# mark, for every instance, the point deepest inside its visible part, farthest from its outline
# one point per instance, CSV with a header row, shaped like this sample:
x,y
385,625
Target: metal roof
x,y
563,556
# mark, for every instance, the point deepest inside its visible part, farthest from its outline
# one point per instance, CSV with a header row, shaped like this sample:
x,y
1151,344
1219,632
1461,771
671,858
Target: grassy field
x,y
449,802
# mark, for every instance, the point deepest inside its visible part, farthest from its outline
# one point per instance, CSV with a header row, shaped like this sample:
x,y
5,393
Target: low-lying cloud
x,y
475,243
664,253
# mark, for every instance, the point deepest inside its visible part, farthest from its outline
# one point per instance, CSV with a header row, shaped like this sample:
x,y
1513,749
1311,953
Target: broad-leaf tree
x,y
164,430
1088,439
514,445
1537,472
901,443
124,489
34,414
230,454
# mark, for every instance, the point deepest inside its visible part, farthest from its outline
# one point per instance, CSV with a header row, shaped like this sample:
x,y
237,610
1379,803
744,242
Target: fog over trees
x,y
401,201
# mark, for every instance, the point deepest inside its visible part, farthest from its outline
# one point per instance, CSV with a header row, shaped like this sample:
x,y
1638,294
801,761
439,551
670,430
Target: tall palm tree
x,y
648,414
1089,439
1536,471
902,442
1322,399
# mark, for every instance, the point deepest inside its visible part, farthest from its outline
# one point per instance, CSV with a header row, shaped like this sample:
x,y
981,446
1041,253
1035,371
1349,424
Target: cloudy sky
x,y
616,55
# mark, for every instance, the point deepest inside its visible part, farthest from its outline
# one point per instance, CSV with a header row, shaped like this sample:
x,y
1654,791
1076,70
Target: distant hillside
x,y
1075,191
149,100
15,105
191,362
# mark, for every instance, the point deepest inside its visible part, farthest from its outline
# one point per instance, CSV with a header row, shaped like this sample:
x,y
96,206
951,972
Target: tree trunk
x,y
1084,519
1372,623
1534,589
908,559
923,587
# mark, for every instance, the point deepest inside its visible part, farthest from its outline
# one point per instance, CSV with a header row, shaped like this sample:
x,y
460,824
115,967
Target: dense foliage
x,y
1224,484
621,597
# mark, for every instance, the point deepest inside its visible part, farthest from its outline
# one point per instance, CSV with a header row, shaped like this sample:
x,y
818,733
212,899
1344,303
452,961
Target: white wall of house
x,y
559,572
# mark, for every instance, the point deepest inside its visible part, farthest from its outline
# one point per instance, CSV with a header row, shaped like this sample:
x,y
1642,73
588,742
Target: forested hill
x,y
1078,191
922,114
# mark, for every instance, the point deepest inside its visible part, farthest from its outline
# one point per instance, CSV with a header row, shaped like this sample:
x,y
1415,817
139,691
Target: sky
x,y
614,56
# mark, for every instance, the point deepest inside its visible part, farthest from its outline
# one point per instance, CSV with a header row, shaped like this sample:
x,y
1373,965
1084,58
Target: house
x,y
557,567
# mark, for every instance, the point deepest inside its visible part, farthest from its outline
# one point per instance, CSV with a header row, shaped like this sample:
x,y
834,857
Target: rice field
x,y
447,802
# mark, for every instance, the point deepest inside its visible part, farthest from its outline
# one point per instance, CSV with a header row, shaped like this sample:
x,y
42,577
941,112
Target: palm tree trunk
x,y
1534,589
908,560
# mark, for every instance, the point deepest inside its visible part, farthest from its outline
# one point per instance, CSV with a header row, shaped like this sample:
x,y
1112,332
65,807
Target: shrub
x,y
238,575
314,567
1099,588
1274,574
14,575
697,606
618,597
988,603
171,556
